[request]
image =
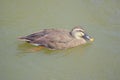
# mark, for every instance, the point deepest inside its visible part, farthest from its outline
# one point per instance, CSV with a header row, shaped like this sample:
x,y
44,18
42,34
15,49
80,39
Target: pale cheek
x,y
77,37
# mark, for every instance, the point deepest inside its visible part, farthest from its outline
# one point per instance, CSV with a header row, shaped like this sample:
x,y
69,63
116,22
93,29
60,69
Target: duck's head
x,y
78,33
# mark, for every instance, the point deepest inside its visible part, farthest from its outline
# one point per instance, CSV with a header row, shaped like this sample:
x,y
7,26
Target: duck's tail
x,y
26,39
23,38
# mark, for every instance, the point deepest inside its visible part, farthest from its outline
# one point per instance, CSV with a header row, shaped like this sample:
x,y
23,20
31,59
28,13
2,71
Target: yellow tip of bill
x,y
92,39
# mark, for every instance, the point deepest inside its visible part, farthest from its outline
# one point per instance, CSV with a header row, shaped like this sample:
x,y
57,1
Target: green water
x,y
97,61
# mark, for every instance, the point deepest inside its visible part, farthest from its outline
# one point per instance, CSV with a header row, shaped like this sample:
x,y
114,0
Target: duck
x,y
57,39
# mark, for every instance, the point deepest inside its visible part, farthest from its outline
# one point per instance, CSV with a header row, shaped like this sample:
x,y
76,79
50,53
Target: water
x,y
97,61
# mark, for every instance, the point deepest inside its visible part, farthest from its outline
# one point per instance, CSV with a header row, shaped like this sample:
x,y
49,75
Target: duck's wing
x,y
53,37
50,38
36,35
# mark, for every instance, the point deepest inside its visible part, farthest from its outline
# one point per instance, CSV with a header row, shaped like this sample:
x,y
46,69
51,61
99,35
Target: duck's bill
x,y
88,38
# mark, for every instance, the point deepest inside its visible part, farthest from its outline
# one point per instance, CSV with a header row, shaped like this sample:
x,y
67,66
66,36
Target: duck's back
x,y
54,35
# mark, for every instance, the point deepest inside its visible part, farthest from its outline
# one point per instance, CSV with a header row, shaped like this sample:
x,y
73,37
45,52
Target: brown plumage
x,y
58,38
